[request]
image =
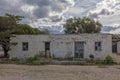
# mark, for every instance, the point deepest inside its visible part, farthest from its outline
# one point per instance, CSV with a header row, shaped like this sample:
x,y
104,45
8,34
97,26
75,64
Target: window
x,y
47,46
98,46
25,46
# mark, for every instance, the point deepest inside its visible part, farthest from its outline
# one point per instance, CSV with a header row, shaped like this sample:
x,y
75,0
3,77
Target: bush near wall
x,y
14,59
109,60
36,60
9,61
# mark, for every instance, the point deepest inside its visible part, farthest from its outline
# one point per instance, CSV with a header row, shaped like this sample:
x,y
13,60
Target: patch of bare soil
x,y
58,72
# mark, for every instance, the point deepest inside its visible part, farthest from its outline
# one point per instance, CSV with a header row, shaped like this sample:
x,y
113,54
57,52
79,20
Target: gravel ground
x,y
59,72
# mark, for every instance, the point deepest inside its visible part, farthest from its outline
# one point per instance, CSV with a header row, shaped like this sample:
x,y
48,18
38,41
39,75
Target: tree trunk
x,y
5,52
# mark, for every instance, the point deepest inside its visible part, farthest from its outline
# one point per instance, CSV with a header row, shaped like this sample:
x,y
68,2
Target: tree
x,y
7,24
82,25
26,29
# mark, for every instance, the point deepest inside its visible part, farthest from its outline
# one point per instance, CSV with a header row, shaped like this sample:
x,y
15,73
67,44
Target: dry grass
x,y
58,72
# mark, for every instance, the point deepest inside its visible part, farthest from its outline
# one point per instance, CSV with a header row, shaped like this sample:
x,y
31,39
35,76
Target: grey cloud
x,y
60,5
105,12
56,18
110,28
39,2
63,1
101,12
93,15
42,12
105,8
3,7
14,8
11,7
57,8
48,6
44,7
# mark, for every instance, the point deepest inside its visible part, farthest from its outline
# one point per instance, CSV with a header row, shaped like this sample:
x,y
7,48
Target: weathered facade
x,y
62,46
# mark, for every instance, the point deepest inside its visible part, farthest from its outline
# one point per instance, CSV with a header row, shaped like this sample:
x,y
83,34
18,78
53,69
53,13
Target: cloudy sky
x,y
51,14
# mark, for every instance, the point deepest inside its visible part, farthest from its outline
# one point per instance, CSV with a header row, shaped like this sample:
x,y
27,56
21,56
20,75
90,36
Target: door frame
x,y
49,50
114,47
83,48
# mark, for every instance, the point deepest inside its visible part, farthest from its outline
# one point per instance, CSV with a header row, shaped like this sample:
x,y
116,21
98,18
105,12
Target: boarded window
x,y
98,46
25,46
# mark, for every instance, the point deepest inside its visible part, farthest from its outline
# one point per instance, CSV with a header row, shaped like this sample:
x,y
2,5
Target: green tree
x,y
82,25
7,24
26,29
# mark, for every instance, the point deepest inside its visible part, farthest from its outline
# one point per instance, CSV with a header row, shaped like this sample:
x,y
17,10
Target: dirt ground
x,y
58,72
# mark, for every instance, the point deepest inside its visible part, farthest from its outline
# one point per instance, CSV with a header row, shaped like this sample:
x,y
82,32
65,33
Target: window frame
x,y
98,46
47,46
25,46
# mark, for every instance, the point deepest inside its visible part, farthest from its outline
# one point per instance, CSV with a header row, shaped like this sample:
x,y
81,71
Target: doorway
x,y
114,47
47,49
79,50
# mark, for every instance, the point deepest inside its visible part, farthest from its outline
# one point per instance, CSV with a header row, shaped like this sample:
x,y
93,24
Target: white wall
x,y
118,47
61,45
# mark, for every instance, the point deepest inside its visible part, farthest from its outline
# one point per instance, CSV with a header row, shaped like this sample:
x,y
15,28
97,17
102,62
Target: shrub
x,y
108,60
39,62
14,59
79,59
5,60
99,61
36,57
35,60
92,61
30,59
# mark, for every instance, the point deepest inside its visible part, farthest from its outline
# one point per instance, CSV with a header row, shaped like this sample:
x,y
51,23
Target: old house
x,y
62,46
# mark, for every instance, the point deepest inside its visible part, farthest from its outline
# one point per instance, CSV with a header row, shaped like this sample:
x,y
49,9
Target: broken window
x,y
98,46
25,46
47,46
